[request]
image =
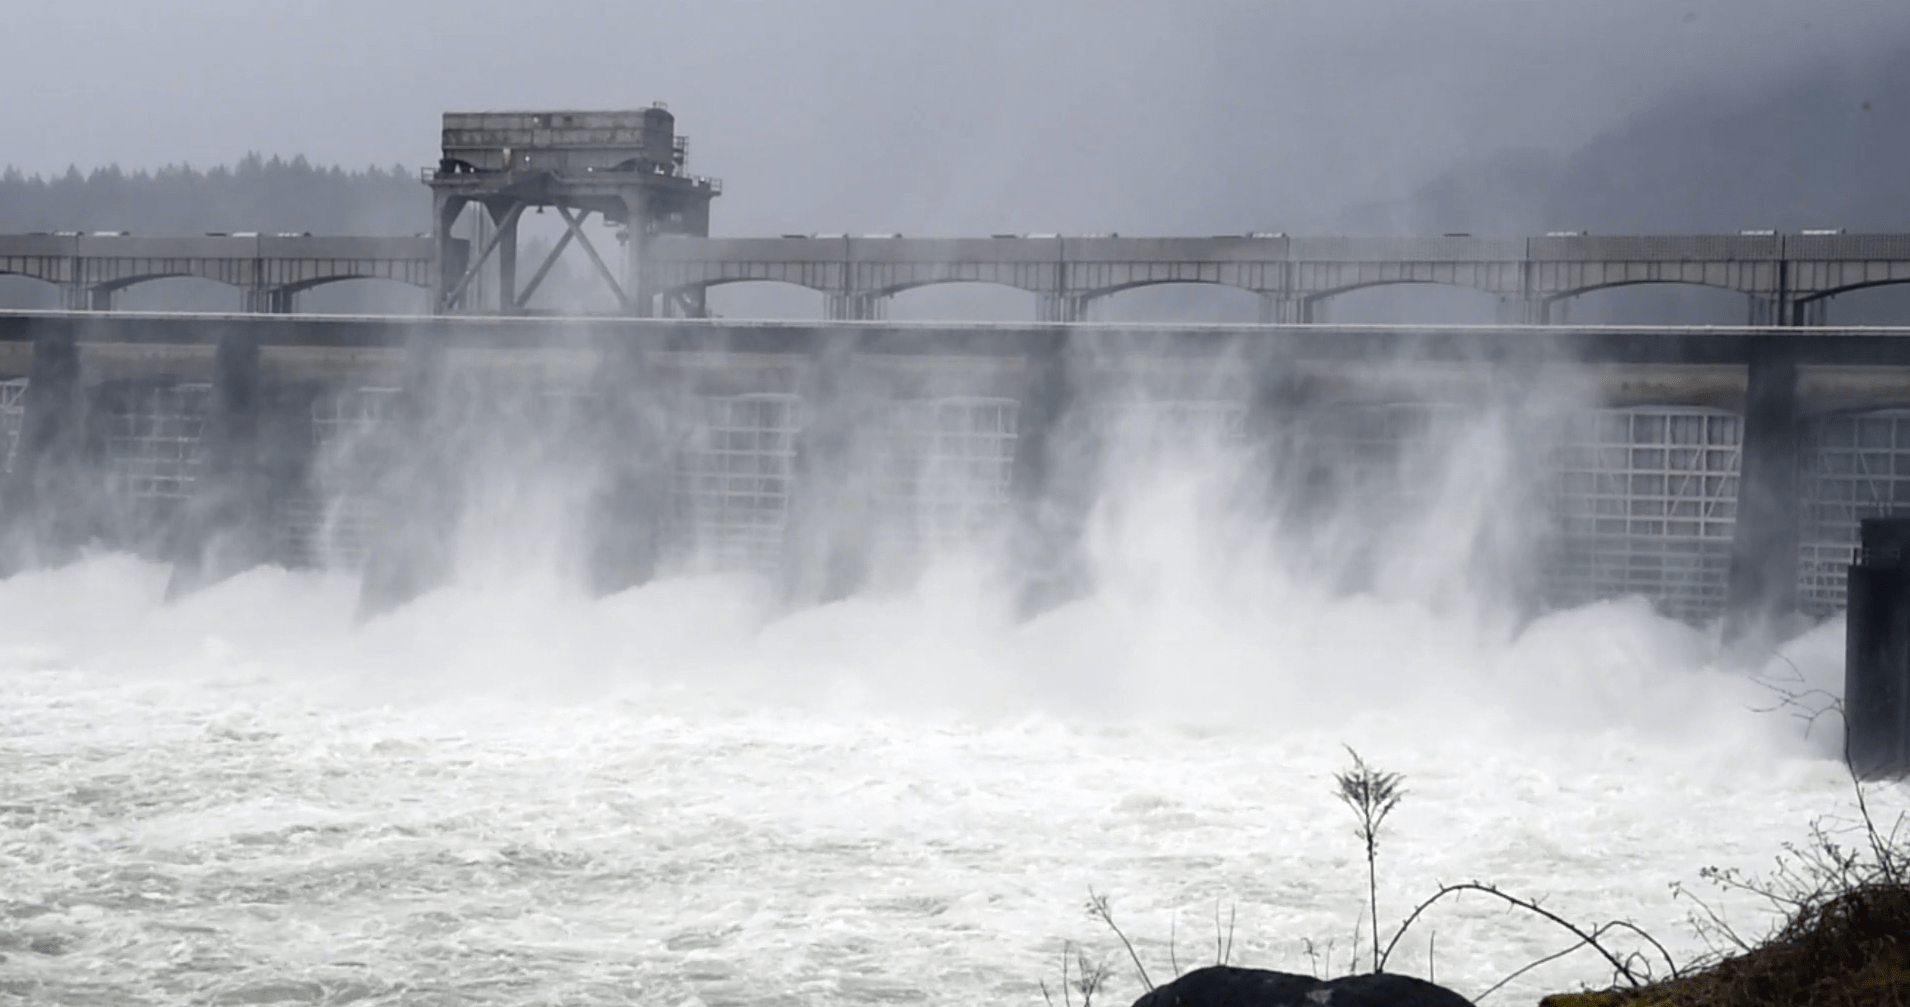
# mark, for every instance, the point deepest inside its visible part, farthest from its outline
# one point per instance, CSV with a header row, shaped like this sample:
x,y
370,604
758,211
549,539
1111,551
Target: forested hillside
x,y
257,194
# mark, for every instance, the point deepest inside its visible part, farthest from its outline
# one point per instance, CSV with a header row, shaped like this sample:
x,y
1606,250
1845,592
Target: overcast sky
x,y
891,115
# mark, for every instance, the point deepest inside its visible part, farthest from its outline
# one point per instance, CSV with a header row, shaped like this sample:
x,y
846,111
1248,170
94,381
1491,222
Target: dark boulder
x,y
1226,986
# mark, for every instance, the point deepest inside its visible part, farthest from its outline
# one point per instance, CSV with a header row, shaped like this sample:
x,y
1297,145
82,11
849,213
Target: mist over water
x,y
508,791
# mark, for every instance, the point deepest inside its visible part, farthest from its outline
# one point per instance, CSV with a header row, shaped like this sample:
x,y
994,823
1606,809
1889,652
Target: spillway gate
x,y
836,458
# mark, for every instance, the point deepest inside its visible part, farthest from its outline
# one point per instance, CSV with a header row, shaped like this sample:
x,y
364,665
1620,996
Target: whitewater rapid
x,y
508,793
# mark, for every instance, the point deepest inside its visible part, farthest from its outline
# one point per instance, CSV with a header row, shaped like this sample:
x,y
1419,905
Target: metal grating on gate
x,y
1850,466
1644,502
331,524
732,480
152,441
942,472
13,411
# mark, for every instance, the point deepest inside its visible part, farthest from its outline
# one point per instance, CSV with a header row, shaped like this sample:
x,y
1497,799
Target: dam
x,y
1718,472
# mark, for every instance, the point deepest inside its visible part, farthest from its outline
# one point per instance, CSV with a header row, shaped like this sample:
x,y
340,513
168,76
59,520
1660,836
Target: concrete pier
x,y
1877,653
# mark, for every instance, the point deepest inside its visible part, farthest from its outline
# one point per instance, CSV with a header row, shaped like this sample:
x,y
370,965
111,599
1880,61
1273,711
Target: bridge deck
x,y
1784,272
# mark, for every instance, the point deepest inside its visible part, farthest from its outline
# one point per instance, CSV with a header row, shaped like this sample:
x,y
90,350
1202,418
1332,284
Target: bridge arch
x,y
1884,302
1155,300
31,274
119,283
1833,292
1378,301
1695,302
757,297
1824,295
23,289
304,285
1032,286
962,300
182,291
360,294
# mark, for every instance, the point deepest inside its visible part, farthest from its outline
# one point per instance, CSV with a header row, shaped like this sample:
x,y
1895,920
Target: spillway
x,y
723,687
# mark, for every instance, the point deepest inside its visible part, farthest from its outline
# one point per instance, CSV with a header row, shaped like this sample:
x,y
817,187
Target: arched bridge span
x,y
1786,277
269,268
1781,274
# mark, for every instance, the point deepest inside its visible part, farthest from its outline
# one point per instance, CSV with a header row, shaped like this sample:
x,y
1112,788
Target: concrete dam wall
x,y
834,458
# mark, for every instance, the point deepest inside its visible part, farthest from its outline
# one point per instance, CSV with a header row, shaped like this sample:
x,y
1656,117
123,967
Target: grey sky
x,y
888,115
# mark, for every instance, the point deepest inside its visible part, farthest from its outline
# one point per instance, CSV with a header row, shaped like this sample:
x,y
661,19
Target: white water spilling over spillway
x,y
507,792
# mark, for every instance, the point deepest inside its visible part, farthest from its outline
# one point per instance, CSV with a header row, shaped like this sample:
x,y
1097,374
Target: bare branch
x,y
1233,913
1100,908
1532,906
1529,967
1173,931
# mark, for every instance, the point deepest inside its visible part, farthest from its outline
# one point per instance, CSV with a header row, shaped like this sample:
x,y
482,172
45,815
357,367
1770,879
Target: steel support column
x,y
1280,309
506,260
452,252
271,300
1063,307
855,307
627,297
640,297
1783,310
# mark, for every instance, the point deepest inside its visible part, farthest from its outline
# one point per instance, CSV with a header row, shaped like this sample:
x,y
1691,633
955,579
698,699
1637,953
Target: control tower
x,y
627,166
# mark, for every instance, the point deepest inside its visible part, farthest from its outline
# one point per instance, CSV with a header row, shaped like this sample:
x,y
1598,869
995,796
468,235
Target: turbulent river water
x,y
509,793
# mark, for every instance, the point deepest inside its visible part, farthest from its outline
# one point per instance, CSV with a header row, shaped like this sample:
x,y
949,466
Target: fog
x,y
511,790
514,783
969,118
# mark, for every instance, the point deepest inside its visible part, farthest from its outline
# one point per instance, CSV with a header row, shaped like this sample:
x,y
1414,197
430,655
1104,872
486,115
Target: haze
x,y
512,790
923,118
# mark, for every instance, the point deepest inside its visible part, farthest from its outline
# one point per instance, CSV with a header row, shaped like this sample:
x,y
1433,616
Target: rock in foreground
x,y
1226,986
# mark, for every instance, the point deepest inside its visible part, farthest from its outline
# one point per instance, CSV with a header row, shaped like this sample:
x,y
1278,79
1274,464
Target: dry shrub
x,y
1851,951
1844,940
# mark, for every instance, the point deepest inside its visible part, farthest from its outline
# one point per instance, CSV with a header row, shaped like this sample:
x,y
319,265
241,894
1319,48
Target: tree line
x,y
256,194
